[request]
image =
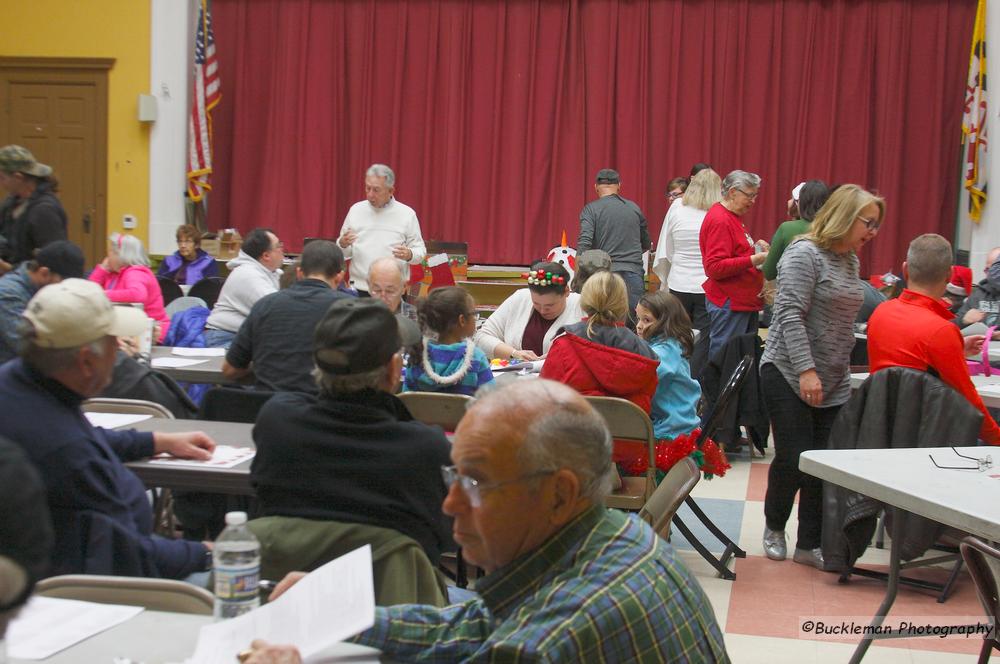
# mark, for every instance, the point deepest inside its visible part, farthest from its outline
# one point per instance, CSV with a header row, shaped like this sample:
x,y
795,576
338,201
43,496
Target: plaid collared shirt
x,y
604,589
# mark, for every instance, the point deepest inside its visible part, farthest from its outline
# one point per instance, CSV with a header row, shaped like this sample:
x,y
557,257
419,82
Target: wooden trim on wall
x,y
27,62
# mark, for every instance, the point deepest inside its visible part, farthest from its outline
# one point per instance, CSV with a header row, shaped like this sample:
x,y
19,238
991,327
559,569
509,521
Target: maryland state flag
x,y
974,136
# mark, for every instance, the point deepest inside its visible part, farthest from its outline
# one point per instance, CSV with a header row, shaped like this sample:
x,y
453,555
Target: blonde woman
x,y
805,369
600,356
678,261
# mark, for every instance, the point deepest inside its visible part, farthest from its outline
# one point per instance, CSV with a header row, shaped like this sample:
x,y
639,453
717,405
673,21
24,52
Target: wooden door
x,y
57,108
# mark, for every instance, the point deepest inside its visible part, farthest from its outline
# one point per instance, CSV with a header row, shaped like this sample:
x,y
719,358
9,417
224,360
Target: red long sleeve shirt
x,y
726,248
915,331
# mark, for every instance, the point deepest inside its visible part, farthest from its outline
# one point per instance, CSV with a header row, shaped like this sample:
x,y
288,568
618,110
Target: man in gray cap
x,y
617,226
31,216
354,454
100,514
56,261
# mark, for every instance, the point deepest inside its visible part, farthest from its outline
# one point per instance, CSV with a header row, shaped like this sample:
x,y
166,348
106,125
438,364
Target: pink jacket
x,y
135,283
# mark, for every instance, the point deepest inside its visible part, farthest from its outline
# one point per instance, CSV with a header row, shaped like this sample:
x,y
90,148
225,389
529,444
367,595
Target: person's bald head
x,y
539,455
991,258
385,281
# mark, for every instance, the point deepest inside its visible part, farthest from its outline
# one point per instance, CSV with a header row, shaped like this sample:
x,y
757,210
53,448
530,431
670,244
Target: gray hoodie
x,y
248,281
985,297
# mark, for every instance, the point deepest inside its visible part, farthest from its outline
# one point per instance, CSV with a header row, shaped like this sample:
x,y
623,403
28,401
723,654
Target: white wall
x,y
169,82
986,234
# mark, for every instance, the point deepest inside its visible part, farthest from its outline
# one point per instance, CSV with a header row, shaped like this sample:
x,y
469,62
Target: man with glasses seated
x,y
915,329
568,580
254,273
353,453
387,282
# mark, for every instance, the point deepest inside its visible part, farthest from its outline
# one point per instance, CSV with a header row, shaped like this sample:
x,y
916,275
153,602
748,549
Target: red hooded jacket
x,y
595,369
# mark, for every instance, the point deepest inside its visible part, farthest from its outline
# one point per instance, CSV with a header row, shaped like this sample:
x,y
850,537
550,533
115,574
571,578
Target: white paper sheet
x,y
168,362
199,352
47,625
224,456
114,420
330,604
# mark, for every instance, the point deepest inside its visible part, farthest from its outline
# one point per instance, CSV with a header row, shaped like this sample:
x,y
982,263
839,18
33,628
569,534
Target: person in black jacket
x,y
31,216
353,453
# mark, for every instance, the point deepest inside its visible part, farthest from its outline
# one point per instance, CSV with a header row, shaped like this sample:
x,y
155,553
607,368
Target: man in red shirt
x,y
915,330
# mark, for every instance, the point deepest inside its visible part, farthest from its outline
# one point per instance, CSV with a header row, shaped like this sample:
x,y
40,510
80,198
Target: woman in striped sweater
x,y
805,369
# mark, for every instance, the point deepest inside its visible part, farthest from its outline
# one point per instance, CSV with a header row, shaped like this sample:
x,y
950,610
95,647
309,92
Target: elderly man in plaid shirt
x,y
568,579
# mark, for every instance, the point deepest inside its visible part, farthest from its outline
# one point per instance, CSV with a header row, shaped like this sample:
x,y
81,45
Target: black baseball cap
x,y
608,176
358,335
62,257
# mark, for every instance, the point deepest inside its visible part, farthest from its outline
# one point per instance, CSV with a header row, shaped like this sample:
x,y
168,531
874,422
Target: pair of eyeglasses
x,y
981,463
870,224
752,196
474,489
474,315
389,292
673,195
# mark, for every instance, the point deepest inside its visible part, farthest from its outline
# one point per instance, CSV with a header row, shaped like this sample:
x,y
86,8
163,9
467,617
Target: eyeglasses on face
x,y
388,292
474,489
870,224
752,196
675,195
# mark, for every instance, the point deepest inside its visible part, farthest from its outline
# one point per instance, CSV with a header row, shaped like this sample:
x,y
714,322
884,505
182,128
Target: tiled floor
x,y
762,610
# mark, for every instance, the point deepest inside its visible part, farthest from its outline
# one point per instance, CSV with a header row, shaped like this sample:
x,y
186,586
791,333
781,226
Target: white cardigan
x,y
507,323
678,254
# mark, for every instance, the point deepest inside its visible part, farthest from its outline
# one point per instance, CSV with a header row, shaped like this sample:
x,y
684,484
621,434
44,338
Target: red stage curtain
x,y
496,115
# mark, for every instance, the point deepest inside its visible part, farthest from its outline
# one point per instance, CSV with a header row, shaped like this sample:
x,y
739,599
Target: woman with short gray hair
x,y
732,262
125,276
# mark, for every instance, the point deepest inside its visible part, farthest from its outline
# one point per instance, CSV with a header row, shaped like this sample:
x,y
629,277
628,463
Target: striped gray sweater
x,y
818,297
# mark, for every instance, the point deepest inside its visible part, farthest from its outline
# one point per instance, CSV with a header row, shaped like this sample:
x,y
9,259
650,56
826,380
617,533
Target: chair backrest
x,y
184,303
403,573
659,510
170,289
983,561
440,408
714,418
125,407
626,421
231,404
153,594
208,290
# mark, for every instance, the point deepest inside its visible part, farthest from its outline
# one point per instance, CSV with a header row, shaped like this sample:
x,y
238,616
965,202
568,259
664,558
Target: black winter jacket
x,y
895,408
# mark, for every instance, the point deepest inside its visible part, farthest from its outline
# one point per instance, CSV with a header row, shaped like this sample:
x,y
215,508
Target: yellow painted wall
x,y
118,29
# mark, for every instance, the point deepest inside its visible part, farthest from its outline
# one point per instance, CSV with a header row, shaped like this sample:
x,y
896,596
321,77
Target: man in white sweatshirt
x,y
254,273
380,226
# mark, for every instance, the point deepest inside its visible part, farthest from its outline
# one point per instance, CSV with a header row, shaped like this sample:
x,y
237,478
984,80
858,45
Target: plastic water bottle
x,y
236,566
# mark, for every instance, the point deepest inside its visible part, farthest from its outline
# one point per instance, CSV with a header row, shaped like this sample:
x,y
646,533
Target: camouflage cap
x,y
16,159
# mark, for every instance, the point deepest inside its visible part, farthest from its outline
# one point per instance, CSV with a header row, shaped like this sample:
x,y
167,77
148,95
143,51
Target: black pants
x,y
694,305
797,428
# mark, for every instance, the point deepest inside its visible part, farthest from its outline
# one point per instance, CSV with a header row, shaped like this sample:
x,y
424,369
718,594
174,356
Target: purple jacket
x,y
202,266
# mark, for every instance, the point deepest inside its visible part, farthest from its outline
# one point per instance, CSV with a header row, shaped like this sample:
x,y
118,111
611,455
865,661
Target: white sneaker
x,y
812,557
774,544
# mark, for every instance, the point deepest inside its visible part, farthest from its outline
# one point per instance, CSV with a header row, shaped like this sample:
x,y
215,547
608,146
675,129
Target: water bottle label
x,y
236,584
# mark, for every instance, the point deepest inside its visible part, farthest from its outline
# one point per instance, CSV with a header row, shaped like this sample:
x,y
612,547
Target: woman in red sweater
x,y
731,261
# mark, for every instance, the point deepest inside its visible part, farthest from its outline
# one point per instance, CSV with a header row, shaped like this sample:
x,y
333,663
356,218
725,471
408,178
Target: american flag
x,y
974,125
204,98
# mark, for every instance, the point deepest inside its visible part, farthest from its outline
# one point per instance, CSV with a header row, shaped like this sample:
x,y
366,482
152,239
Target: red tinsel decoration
x,y
631,456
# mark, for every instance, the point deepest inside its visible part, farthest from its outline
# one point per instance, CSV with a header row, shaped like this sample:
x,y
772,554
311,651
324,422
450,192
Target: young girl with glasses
x,y
449,360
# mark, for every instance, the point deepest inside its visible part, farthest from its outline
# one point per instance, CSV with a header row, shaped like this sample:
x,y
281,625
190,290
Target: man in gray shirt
x,y
616,225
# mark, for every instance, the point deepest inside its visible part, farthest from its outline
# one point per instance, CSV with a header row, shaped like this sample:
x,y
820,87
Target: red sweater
x,y
915,331
726,248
